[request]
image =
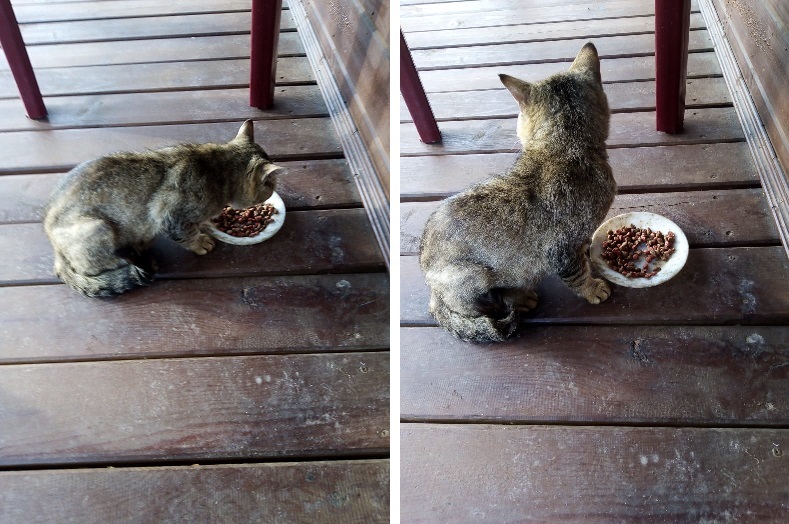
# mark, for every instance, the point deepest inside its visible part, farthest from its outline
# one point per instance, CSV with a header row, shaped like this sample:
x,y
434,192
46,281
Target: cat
x,y
104,214
484,250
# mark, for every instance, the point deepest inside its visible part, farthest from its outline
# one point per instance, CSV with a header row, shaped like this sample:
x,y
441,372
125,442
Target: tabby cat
x,y
484,250
106,212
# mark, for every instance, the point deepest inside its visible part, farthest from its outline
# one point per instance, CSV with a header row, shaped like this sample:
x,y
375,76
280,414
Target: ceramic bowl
x,y
270,231
668,268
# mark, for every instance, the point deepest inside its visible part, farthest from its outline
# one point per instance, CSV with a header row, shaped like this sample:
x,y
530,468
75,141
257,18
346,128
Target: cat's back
x,y
102,184
464,222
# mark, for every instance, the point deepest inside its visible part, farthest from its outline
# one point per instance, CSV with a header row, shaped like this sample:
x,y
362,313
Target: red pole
x,y
672,25
19,62
415,98
263,52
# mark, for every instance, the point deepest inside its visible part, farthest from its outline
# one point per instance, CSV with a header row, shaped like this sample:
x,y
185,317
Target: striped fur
x,y
108,210
485,250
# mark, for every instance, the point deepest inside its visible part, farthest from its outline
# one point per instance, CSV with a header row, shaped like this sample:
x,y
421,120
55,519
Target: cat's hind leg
x,y
577,275
463,299
86,260
87,246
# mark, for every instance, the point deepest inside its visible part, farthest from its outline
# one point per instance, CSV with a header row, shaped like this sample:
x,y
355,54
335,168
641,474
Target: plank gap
x,y
356,455
624,423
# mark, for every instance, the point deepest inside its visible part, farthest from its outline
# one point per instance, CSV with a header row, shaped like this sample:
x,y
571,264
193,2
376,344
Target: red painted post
x,y
263,52
19,62
672,25
415,98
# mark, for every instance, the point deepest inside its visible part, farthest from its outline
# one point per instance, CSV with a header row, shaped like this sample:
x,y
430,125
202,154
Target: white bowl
x,y
270,231
668,268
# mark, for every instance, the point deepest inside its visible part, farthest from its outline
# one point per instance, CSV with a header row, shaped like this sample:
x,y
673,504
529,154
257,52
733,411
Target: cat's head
x,y
260,179
569,106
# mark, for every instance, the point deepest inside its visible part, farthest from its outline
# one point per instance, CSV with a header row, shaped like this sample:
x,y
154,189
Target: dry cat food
x,y
244,222
622,250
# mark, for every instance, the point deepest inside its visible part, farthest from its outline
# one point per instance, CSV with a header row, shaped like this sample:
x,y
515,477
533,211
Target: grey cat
x,y
106,212
484,250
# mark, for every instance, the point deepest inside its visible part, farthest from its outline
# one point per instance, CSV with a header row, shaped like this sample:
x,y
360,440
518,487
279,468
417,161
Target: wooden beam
x,y
19,63
263,64
415,98
672,24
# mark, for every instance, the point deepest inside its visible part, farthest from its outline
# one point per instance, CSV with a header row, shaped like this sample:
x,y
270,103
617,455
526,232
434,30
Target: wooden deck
x,y
248,385
666,404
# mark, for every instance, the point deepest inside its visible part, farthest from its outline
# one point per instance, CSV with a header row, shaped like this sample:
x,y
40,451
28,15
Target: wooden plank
x,y
757,32
434,7
702,126
357,53
622,97
33,151
25,2
534,14
220,317
588,29
310,184
703,376
179,76
464,473
663,168
310,242
769,154
164,108
379,11
148,51
708,218
61,12
551,51
640,68
143,28
191,409
716,286
420,2
337,491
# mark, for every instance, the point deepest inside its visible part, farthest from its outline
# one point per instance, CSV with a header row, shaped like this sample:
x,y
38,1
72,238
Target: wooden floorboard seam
x,y
87,466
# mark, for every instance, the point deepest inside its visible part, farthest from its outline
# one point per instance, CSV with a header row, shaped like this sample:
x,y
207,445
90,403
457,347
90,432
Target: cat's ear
x,y
246,133
587,61
517,87
269,168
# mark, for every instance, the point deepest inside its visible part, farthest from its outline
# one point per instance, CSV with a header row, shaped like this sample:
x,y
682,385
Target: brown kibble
x,y
620,250
246,222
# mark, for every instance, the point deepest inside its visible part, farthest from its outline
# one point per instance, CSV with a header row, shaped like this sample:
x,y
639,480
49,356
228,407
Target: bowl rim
x,y
271,230
669,268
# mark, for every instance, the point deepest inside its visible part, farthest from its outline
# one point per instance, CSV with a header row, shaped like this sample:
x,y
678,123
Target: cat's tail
x,y
108,283
477,329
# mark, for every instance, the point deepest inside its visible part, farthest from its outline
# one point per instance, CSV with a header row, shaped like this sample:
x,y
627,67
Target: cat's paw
x,y
202,244
597,291
528,301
